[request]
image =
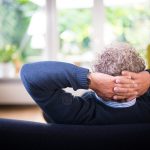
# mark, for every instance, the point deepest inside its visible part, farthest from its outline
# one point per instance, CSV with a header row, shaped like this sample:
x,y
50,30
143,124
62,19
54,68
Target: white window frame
x,y
98,25
52,43
52,40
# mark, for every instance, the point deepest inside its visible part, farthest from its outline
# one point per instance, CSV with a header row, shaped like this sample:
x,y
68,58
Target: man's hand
x,y
141,83
104,85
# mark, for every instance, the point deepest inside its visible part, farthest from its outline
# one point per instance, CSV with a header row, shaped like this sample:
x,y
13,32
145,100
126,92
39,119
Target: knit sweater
x,y
45,82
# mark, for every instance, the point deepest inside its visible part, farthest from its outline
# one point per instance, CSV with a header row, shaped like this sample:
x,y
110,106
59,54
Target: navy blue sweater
x,y
45,81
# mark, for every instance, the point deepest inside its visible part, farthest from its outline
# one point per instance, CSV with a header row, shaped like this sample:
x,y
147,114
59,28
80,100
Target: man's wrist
x,y
90,80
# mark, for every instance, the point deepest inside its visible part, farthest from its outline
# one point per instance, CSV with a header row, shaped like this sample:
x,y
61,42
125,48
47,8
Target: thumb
x,y
130,74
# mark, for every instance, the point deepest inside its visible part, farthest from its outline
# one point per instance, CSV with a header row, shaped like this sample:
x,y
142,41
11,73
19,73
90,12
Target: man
x,y
116,58
45,82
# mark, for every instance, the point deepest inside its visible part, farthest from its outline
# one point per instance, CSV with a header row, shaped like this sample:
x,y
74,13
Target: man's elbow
x,y
26,75
24,71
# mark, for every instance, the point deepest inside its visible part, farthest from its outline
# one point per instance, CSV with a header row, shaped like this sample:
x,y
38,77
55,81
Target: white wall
x,y
13,92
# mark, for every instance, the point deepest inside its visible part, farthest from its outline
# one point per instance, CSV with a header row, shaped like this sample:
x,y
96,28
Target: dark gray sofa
x,y
15,134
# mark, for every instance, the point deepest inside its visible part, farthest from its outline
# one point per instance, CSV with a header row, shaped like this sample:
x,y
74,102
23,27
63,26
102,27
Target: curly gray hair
x,y
118,57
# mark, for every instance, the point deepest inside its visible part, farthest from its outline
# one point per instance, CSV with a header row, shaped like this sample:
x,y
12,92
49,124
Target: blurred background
x,y
64,30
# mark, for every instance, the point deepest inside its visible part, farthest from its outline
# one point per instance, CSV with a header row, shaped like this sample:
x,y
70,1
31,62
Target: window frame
x,y
52,40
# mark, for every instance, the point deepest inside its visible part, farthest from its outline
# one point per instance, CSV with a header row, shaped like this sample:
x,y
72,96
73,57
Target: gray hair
x,y
118,57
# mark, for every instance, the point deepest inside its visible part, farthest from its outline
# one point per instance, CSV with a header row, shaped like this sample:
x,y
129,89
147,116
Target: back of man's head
x,y
118,57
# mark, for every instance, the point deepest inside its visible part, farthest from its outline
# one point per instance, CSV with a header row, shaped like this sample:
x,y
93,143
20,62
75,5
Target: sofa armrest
x,y
24,134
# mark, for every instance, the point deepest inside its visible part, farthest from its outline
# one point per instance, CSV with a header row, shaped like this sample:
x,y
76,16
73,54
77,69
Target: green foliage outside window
x,y
7,53
74,29
14,22
129,24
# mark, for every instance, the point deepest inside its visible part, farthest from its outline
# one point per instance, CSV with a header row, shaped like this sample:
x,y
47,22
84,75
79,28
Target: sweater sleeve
x,y
45,81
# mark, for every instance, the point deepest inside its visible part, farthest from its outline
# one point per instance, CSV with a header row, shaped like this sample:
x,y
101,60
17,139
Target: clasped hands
x,y
125,87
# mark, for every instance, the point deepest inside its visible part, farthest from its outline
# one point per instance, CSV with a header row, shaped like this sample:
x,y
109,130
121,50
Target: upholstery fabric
x,y
17,134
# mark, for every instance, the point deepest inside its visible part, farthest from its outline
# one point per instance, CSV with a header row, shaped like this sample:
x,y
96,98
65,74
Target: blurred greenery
x,y
129,24
7,53
14,22
76,24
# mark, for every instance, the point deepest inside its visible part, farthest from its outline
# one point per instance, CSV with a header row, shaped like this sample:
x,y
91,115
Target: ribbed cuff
x,y
81,74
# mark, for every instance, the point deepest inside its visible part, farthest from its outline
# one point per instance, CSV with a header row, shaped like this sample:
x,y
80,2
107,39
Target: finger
x,y
122,80
124,90
117,97
126,85
123,97
127,95
125,73
131,98
128,73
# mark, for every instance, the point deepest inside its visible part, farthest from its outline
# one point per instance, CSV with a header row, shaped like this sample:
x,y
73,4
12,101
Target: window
x,y
128,21
70,30
75,30
22,24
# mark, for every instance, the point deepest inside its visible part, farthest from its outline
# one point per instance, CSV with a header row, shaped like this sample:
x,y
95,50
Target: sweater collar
x,y
115,104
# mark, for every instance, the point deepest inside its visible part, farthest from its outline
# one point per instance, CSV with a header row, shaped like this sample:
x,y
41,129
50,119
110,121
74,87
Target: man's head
x,y
118,57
